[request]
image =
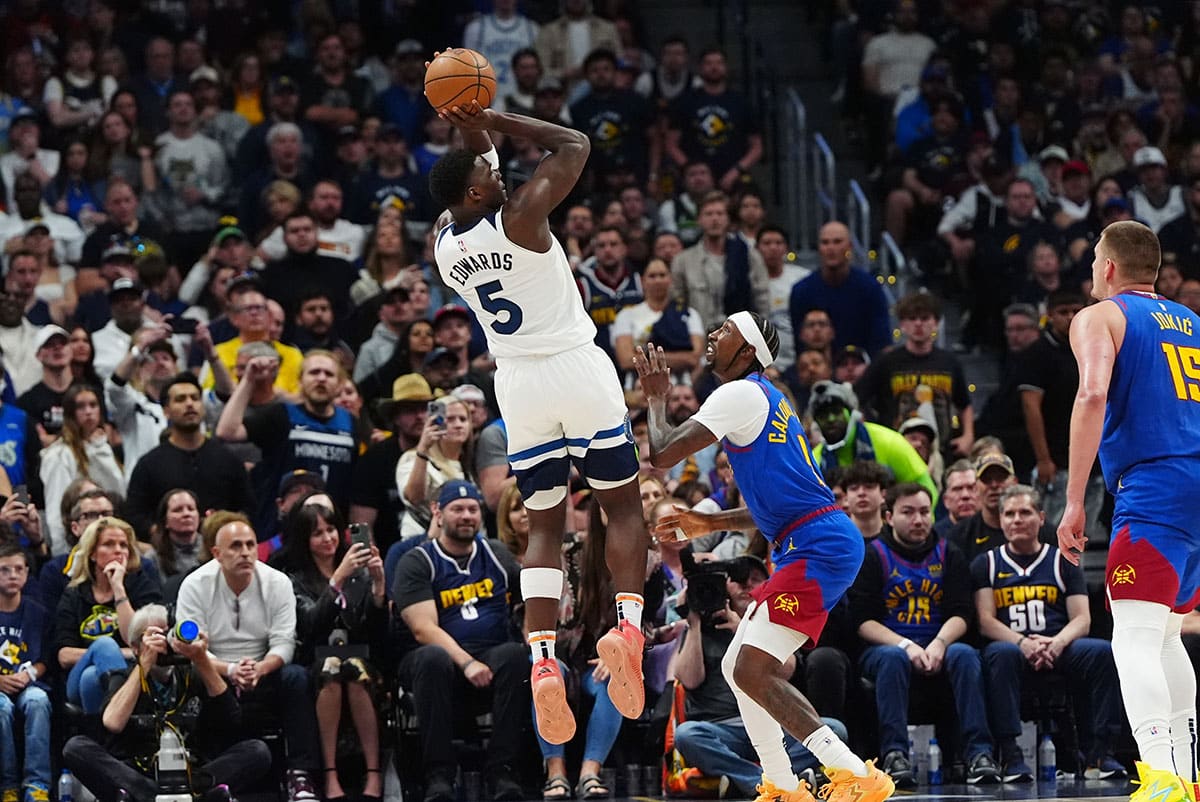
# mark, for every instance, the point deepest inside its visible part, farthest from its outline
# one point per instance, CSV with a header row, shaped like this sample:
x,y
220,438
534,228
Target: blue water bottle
x,y
1047,760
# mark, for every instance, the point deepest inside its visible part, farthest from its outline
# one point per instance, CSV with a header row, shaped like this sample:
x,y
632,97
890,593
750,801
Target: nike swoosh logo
x,y
1003,574
979,541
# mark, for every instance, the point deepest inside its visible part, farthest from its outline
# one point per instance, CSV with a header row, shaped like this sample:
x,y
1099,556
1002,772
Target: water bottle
x,y
1047,760
935,762
66,786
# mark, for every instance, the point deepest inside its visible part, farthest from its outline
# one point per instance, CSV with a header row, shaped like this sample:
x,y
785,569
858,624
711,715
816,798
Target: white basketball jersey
x,y
527,302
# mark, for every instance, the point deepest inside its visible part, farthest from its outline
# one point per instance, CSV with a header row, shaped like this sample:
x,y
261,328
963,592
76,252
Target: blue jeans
x,y
85,682
603,724
891,671
725,749
34,705
1087,658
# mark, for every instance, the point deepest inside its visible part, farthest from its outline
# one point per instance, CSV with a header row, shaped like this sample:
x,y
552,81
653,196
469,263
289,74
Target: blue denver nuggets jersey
x,y
1030,600
472,602
1154,396
776,473
912,592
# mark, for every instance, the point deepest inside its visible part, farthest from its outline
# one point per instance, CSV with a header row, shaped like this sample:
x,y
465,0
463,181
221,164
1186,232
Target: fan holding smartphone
x,y
440,455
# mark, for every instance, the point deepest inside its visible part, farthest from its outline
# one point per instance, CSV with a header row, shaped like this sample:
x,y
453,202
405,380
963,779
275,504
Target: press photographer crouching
x,y
172,692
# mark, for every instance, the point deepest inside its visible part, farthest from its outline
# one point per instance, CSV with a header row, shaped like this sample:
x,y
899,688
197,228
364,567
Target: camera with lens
x,y
706,592
184,631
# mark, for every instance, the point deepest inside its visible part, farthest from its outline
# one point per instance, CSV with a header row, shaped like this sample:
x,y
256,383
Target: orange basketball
x,y
458,76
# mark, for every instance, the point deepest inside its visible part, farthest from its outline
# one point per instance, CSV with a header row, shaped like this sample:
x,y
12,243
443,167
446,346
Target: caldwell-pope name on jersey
x,y
477,263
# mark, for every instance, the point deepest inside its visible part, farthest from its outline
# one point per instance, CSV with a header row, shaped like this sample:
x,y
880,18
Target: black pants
x,y
826,680
441,691
239,767
284,697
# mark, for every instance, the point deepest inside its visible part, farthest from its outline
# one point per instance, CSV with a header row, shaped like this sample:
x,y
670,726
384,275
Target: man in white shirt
x,y
248,610
772,246
891,62
25,155
18,346
1155,200
127,303
28,210
336,237
499,36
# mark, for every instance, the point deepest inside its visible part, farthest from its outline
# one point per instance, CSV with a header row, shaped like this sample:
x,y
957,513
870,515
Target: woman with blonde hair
x,y
444,452
512,522
279,200
106,587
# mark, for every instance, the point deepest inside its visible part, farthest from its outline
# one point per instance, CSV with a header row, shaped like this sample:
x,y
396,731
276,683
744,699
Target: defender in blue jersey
x,y
1138,406
815,548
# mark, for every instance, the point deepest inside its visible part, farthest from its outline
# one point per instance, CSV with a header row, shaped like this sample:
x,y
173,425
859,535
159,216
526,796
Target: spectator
x,y
910,568
921,380
892,61
783,274
339,593
26,156
720,275
662,321
608,283
43,402
314,327
395,322
115,154
1003,415
932,168
250,317
1075,202
82,503
1180,238
680,215
500,36
283,106
866,485
673,75
230,249
24,625
712,737
442,454
564,43
124,227
619,122
225,127
306,265
265,186
914,119
459,629
248,611
334,96
403,103
850,363
834,408
714,124
1155,200
186,458
981,532
816,333
977,209
390,179
83,450
850,295
336,237
143,701
312,434
1036,617
29,214
24,273
175,534
92,624
127,303
154,87
959,497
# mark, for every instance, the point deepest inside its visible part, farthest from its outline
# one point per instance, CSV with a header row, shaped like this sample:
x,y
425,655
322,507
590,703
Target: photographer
x,y
176,685
713,738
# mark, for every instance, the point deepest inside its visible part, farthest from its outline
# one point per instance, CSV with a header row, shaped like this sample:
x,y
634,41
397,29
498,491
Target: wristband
x,y
423,456
1021,640
118,602
467,665
32,672
904,643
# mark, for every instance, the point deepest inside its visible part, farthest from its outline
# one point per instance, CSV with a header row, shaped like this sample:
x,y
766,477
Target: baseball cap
x,y
348,133
1116,203
283,83
247,278
826,393
23,115
549,84
458,488
36,224
204,73
116,250
1149,156
849,353
228,232
993,460
47,333
125,285
447,311
438,353
407,47
1075,167
300,477
918,423
1054,152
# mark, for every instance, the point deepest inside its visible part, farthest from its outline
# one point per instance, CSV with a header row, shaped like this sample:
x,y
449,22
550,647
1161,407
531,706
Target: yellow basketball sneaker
x,y
1158,785
769,792
845,786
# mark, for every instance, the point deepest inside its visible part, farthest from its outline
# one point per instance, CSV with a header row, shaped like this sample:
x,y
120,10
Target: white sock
x,y
833,752
541,644
629,608
1139,629
1181,684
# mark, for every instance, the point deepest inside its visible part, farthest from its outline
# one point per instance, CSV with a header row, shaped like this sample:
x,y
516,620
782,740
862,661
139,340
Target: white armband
x,y
492,158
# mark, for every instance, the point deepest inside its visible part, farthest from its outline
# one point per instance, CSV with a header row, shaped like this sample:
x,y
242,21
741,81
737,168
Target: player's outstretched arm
x,y
668,444
689,524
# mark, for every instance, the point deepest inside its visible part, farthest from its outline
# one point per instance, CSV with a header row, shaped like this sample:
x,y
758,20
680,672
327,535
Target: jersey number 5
x,y
498,307
1184,363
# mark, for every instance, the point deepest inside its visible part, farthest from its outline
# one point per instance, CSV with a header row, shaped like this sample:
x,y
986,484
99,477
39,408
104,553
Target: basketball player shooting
x,y
559,394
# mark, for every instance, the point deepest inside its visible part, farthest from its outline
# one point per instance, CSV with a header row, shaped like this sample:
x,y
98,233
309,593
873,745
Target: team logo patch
x,y
787,603
1123,575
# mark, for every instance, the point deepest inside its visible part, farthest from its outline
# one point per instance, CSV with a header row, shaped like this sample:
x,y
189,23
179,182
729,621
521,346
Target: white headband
x,y
745,324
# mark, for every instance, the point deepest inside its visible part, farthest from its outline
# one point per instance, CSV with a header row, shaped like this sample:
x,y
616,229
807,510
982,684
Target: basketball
x,y
458,76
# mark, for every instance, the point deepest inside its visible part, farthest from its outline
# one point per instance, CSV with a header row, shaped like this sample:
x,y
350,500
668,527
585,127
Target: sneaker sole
x,y
625,668
991,779
884,790
555,721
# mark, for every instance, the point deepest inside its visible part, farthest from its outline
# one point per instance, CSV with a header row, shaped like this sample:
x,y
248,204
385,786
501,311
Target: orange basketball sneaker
x,y
769,792
845,786
621,652
555,721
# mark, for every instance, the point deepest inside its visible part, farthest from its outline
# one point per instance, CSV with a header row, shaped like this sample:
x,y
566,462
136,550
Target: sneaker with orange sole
x,y
769,792
555,721
845,786
620,649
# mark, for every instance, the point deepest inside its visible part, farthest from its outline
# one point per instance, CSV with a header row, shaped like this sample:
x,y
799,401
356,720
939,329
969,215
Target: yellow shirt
x,y
249,105
287,381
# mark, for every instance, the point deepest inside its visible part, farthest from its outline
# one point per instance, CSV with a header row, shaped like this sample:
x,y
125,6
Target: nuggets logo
x,y
787,603
1124,575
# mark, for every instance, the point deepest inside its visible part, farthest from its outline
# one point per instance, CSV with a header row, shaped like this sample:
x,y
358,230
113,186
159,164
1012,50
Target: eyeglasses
x,y
93,516
253,309
13,570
